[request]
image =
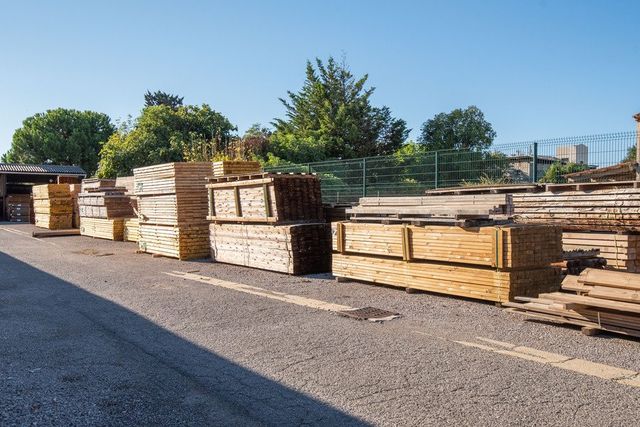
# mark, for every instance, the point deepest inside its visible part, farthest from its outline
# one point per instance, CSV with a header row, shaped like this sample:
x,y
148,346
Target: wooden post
x,y
637,118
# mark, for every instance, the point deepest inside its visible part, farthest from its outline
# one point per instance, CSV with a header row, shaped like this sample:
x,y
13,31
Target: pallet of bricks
x,y
606,219
172,209
456,245
19,208
103,208
269,221
53,206
131,225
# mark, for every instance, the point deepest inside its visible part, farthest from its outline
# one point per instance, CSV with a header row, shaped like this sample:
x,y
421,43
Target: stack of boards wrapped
x,y
172,209
269,221
53,206
103,209
19,208
493,262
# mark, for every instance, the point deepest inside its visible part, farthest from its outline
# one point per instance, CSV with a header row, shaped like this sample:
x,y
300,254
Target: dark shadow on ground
x,y
70,357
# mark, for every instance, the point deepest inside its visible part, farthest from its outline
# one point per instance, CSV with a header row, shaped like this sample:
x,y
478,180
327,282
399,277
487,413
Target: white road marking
x,y
581,366
27,235
254,290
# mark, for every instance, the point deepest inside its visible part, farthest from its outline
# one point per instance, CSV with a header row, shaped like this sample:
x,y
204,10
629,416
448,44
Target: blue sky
x,y
537,69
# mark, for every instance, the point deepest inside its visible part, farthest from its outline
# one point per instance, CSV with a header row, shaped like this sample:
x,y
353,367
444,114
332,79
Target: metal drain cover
x,y
369,313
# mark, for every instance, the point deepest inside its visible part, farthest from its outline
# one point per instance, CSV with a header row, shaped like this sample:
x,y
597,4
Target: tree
x,y
631,154
458,130
162,98
162,134
61,136
332,117
555,173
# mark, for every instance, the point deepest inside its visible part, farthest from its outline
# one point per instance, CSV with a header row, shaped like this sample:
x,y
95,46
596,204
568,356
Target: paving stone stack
x,y
103,207
53,206
172,209
269,221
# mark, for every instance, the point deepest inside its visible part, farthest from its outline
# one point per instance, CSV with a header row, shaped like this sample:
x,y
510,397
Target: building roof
x,y
625,171
16,168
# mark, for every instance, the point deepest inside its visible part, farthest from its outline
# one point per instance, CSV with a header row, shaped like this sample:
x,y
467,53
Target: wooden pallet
x,y
110,229
293,249
504,247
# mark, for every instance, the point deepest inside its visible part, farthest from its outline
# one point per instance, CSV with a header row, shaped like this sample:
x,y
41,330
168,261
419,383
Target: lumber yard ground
x,y
92,333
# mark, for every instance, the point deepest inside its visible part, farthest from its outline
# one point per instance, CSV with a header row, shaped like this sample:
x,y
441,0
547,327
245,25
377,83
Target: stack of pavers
x,y
53,206
103,208
269,221
465,247
19,208
172,209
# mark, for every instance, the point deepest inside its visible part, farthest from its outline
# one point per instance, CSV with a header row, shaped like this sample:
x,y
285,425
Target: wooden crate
x,y
292,249
622,251
183,241
235,167
110,229
265,198
451,279
131,230
171,178
504,247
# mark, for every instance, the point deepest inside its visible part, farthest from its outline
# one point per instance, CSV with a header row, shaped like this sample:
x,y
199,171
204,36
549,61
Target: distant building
x,y
578,153
521,166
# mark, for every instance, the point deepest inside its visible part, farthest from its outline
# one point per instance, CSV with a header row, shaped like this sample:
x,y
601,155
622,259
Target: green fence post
x,y
364,177
534,166
436,171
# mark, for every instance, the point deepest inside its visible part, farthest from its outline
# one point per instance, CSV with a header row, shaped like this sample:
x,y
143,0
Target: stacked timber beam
x,y
19,208
269,221
492,262
53,206
235,167
621,251
595,300
103,208
131,225
172,209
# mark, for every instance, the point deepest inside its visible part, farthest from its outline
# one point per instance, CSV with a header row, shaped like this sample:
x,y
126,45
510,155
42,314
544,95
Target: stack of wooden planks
x,y
75,189
172,207
131,230
103,208
595,300
19,208
103,228
620,250
494,263
269,221
432,209
235,167
53,206
265,198
612,209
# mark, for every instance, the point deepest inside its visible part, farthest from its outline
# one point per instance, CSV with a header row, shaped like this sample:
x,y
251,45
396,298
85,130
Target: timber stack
x,y
103,208
53,206
172,209
19,208
235,167
595,300
269,221
452,248
131,225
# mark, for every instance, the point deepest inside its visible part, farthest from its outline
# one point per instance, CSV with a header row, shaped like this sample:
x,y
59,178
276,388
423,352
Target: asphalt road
x,y
92,333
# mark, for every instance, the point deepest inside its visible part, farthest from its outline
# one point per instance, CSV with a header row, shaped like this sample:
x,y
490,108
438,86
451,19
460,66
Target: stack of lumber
x,y
103,208
52,206
103,228
75,189
595,300
19,207
265,198
494,263
432,209
621,251
613,209
131,230
269,221
235,167
577,260
336,212
127,183
172,207
292,249
95,184
486,189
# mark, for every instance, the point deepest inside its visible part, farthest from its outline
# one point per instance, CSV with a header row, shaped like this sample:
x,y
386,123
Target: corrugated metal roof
x,y
41,169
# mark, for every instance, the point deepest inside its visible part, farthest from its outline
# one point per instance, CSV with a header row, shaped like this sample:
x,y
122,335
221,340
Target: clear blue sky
x,y
536,68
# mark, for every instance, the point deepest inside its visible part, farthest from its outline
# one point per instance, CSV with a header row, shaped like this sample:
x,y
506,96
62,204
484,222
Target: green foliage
x,y
162,134
631,154
61,136
556,171
458,130
162,98
332,117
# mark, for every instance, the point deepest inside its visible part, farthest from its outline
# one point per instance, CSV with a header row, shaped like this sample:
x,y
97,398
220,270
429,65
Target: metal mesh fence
x,y
551,160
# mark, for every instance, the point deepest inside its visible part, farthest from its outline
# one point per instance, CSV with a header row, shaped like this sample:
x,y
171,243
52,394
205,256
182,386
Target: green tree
x,y
631,154
458,130
332,117
162,134
61,136
555,173
162,98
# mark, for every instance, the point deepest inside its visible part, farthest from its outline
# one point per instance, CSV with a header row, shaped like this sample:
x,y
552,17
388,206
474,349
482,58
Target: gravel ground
x,y
92,333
